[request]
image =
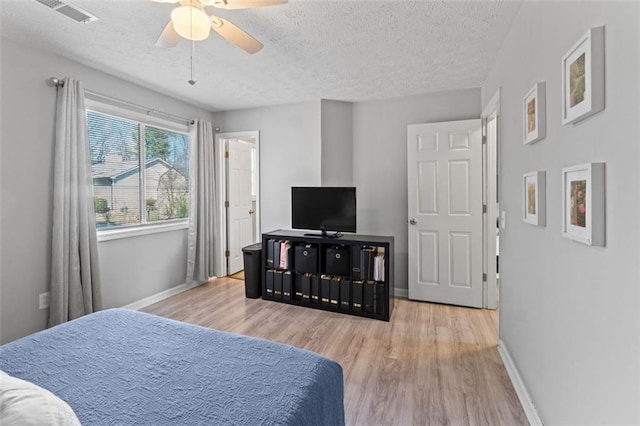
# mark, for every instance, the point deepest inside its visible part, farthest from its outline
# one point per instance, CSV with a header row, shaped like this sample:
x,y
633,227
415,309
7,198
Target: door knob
x,y
251,211
413,221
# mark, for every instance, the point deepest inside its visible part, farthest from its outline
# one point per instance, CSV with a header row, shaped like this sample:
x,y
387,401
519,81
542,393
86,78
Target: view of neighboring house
x,y
116,186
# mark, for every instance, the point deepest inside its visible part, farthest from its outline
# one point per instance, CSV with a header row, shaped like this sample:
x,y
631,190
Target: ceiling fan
x,y
189,20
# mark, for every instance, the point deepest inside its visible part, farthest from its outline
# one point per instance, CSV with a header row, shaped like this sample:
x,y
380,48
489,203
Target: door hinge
x,y
226,253
226,204
226,154
484,139
484,208
484,277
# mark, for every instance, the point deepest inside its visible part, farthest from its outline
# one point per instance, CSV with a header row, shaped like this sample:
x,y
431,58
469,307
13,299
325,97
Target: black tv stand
x,y
324,234
314,282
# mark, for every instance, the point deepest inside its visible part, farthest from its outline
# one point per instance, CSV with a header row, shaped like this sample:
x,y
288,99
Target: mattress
x,y
126,367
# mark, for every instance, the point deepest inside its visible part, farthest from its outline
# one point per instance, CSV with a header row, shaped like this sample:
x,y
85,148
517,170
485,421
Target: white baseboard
x,y
401,292
155,298
527,404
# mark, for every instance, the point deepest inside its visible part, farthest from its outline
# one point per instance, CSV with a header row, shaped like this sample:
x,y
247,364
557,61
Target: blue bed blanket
x,y
122,367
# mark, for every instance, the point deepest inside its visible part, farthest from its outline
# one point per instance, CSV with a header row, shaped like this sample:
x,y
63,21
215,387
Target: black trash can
x,y
252,271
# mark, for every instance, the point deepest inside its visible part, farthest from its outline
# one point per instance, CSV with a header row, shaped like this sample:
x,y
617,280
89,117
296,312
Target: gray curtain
x,y
75,277
203,219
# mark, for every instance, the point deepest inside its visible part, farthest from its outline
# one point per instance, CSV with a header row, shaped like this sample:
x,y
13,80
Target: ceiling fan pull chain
x,y
193,52
193,46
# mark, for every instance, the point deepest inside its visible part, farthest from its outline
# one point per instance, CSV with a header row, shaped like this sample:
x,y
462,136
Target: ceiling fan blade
x,y
235,35
168,37
242,4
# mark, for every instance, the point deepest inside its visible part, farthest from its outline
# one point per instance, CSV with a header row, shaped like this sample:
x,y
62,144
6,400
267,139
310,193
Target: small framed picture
x,y
583,196
534,114
534,197
583,77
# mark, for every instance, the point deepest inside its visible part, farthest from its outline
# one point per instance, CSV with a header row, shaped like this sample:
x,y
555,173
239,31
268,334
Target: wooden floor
x,y
430,365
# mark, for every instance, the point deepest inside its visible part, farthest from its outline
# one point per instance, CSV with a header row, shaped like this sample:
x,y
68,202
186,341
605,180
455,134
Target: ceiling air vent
x,y
69,10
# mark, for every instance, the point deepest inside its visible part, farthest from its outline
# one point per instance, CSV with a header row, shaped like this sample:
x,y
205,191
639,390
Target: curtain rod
x,y
56,82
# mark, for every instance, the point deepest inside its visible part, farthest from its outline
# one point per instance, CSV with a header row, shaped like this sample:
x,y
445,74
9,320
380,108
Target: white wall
x,y
139,267
569,313
380,160
337,143
290,153
132,268
303,144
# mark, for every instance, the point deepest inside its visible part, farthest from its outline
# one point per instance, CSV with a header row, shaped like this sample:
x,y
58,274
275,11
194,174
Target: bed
x,y
126,367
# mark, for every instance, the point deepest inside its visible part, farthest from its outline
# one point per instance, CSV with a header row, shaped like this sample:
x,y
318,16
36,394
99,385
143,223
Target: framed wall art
x,y
583,196
534,197
534,114
583,77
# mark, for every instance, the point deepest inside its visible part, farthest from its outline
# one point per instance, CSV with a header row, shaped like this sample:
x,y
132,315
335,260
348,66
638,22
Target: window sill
x,y
136,231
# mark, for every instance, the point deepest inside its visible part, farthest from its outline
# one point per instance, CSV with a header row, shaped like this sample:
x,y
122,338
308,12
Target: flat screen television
x,y
324,209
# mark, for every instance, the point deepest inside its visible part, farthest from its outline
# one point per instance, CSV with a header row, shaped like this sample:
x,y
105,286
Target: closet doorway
x,y
240,203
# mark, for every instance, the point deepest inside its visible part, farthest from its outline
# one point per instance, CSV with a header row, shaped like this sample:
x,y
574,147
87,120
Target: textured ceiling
x,y
313,49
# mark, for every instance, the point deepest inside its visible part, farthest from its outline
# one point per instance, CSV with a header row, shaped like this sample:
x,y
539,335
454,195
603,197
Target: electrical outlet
x,y
43,300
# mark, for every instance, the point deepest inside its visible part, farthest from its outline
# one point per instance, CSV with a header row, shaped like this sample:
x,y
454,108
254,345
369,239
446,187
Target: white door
x,y
445,212
240,211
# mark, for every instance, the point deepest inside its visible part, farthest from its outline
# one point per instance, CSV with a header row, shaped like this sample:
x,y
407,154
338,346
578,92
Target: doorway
x,y
453,229
239,182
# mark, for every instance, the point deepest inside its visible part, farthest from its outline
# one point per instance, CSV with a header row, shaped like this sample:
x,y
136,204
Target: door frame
x,y
491,156
251,136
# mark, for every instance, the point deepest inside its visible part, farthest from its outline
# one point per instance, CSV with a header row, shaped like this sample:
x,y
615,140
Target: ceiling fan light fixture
x,y
191,23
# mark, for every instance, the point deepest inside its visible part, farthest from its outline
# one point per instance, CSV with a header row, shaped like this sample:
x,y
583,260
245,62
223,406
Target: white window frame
x,y
127,231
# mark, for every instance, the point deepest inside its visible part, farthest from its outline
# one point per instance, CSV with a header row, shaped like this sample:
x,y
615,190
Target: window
x,y
140,169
